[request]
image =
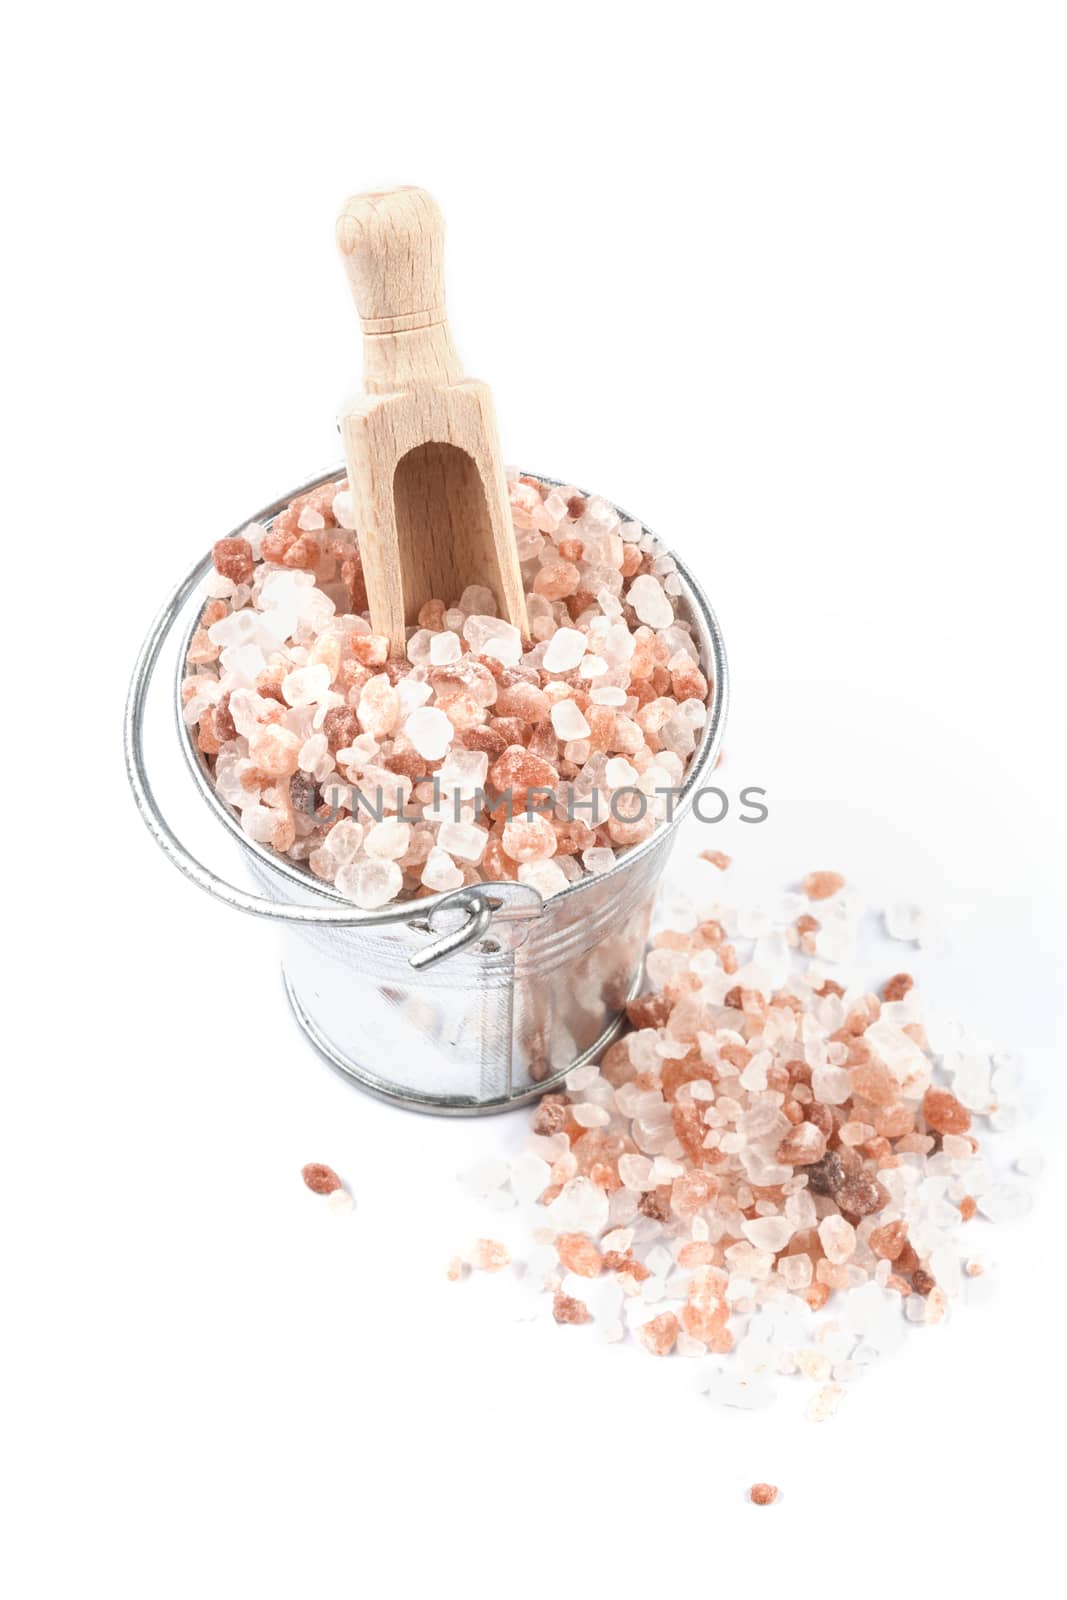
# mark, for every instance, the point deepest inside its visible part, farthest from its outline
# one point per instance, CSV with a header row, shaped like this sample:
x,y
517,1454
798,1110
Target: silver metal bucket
x,y
461,1003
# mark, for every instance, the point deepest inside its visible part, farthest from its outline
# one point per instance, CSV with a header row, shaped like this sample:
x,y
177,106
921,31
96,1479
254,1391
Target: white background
x,y
787,280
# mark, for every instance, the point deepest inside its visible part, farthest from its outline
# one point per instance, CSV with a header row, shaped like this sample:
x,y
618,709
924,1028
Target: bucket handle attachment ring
x,y
477,905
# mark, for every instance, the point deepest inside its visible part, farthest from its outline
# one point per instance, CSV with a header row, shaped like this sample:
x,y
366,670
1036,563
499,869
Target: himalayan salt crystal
x,y
795,1272
568,721
598,859
802,1145
968,1207
821,885
489,636
619,774
897,987
274,750
579,1254
233,559
544,876
379,707
463,839
763,1494
530,838
370,883
831,1086
556,580
944,1113
635,1172
567,1309
319,1178
387,840
456,1269
306,685
860,1194
445,648
659,1335
769,1233
441,873
651,605
429,730
838,1239
824,1403
489,1255
565,650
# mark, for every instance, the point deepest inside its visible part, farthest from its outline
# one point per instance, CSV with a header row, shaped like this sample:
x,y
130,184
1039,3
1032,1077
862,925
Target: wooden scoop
x,y
429,493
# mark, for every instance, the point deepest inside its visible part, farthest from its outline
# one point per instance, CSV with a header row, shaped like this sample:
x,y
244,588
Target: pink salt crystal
x,y
456,1269
529,839
565,1308
579,1254
379,707
274,750
489,1255
659,1335
821,885
802,1145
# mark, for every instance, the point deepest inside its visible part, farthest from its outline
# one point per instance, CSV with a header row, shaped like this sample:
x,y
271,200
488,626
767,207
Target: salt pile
x,y
402,778
772,1170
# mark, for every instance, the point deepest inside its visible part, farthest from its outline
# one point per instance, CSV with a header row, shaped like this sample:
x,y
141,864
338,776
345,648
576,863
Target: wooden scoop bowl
x,y
428,487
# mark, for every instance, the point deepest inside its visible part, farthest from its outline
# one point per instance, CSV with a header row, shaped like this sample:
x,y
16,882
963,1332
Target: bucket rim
x,y
713,652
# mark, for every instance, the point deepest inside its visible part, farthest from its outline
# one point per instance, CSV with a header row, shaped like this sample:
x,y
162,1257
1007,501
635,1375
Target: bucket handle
x,y
478,905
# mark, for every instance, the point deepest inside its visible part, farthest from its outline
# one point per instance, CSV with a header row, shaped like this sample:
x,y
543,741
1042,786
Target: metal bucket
x,y
463,1002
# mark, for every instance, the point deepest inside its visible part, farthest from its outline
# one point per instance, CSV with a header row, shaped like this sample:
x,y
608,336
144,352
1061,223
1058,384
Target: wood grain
x,y
428,486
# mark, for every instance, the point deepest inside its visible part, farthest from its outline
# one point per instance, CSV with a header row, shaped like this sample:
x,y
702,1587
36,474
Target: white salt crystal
x,y
387,840
370,883
619,774
463,839
529,1178
485,1176
306,685
568,721
489,636
440,872
650,603
445,648
905,922
590,1116
768,1233
598,859
636,1172
1031,1164
430,732
478,598
838,1239
544,876
565,649
463,772
832,1086
607,695
344,839
340,1202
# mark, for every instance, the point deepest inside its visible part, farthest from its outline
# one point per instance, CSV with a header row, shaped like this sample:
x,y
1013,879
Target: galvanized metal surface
x,y
461,1003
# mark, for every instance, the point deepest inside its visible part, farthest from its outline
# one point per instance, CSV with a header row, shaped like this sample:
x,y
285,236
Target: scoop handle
x,y
392,244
